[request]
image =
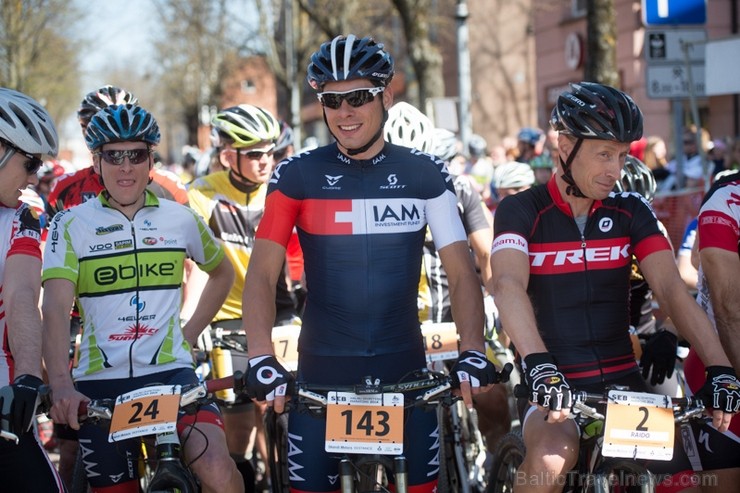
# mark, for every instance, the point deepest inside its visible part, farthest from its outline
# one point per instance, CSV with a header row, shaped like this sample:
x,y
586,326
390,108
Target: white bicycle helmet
x,y
513,174
445,144
25,124
406,126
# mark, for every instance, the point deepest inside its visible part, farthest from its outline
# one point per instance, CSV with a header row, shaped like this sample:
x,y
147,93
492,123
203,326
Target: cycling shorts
x,y
27,467
311,469
108,464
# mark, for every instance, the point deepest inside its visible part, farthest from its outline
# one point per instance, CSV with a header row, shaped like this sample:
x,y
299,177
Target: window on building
x,y
248,86
578,8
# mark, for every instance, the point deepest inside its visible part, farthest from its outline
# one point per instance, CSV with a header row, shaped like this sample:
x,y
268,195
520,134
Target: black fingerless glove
x,y
265,377
18,404
547,385
721,390
473,367
659,353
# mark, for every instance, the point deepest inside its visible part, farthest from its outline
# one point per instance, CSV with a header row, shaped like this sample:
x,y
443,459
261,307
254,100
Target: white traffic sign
x,y
672,81
666,45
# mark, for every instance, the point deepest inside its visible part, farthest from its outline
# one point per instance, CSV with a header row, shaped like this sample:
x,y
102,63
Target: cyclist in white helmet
x,y
27,132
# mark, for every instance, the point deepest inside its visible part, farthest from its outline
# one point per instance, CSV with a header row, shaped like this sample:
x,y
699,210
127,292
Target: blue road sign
x,y
672,12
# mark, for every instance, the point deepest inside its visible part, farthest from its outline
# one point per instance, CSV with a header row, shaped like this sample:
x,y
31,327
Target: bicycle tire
x,y
447,480
276,431
508,456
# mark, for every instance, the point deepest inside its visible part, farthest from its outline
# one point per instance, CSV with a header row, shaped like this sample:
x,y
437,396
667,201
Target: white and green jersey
x,y
128,281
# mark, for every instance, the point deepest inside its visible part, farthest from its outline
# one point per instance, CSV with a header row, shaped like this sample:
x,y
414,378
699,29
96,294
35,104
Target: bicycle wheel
x,y
448,480
507,458
276,432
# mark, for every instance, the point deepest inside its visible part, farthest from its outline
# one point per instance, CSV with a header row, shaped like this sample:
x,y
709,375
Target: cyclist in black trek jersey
x,y
27,132
361,207
561,262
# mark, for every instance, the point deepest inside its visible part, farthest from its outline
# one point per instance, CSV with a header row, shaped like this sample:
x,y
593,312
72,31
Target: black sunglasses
x,y
256,155
32,165
355,97
116,157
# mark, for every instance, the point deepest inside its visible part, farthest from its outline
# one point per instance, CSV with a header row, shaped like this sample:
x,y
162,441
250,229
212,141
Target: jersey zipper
x,y
136,302
589,320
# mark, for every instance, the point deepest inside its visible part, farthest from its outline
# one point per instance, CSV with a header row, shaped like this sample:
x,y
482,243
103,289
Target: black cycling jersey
x,y
361,225
579,283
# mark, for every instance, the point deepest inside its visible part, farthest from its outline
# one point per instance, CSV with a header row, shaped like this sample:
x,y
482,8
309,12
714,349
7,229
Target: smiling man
x,y
361,207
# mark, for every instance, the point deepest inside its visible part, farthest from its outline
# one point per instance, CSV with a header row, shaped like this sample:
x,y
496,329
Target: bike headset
x,y
121,123
243,126
594,111
636,177
406,126
25,125
513,174
349,58
100,98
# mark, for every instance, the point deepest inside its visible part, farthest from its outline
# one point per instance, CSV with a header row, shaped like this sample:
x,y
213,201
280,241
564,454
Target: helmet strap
x,y
572,188
238,179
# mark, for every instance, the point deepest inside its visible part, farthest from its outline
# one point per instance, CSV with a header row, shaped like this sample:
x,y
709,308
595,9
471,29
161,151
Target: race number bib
x,y
440,341
639,425
364,423
285,345
145,411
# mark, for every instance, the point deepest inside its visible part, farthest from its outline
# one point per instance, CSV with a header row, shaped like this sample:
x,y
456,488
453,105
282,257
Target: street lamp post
x,y
463,69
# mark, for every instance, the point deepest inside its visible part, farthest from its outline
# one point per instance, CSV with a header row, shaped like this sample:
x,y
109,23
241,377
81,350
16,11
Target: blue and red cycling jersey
x,y
361,225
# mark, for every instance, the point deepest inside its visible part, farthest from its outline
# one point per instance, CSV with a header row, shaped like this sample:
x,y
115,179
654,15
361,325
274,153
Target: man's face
x,y
17,174
597,165
354,127
255,162
124,179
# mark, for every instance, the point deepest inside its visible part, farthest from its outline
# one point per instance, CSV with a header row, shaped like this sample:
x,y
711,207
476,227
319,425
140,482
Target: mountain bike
x,y
639,426
152,412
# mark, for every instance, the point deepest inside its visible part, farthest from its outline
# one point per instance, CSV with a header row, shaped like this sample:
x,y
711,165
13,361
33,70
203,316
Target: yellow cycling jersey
x,y
234,215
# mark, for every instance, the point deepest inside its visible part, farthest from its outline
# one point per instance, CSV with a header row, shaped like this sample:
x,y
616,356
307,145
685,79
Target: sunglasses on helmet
x,y
32,165
355,97
116,156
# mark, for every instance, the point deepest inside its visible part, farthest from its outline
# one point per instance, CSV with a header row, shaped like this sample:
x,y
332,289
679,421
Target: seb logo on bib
x,y
568,257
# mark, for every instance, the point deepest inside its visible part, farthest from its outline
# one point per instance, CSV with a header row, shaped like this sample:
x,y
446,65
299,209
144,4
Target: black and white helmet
x,y
596,111
406,126
25,124
348,58
446,144
636,177
100,98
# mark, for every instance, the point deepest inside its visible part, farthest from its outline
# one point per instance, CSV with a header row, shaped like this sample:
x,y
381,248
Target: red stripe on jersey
x,y
651,244
572,256
26,246
604,370
324,217
280,215
718,230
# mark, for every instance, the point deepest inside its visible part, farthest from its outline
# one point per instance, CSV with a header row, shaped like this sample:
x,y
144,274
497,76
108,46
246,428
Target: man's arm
x,y
211,298
480,242
465,295
56,306
21,288
722,270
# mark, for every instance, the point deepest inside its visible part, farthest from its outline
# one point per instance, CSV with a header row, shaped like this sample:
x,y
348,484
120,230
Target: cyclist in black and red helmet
x,y
561,262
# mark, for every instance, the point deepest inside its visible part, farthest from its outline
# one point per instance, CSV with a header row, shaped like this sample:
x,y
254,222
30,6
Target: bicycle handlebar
x,y
684,407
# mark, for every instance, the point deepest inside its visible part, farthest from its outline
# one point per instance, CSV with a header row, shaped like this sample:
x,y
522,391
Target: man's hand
x,y
267,380
473,373
659,353
721,391
18,404
548,385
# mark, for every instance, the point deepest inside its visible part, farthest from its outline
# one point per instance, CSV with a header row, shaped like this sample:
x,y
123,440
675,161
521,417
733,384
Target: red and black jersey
x,y
579,282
